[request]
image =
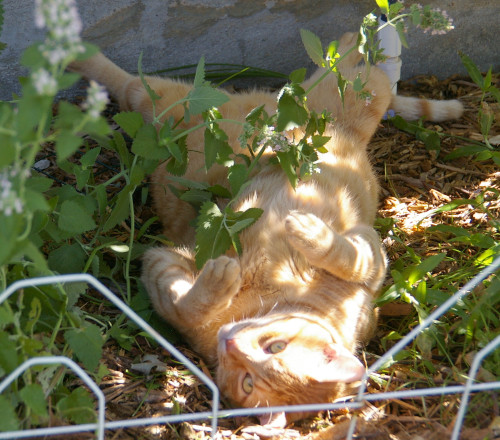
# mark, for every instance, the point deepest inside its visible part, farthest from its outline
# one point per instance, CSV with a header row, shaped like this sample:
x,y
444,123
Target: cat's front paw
x,y
308,234
222,276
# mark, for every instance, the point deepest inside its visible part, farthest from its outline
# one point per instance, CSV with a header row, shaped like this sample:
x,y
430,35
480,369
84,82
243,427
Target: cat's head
x,y
282,360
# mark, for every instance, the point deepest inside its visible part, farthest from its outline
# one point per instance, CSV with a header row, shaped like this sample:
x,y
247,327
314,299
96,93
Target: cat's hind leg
x,y
180,294
356,255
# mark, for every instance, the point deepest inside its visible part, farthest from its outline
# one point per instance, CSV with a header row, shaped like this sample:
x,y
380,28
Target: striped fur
x,y
283,321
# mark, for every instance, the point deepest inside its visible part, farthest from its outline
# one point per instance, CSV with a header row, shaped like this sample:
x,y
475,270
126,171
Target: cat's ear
x,y
340,365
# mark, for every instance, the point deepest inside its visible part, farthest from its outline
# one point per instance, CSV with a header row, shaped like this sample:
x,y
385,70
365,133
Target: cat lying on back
x,y
283,321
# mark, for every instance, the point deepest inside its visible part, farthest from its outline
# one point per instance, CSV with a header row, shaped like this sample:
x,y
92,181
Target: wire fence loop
x,y
357,403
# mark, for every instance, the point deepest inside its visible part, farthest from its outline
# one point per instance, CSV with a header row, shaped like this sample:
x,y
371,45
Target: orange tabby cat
x,y
284,320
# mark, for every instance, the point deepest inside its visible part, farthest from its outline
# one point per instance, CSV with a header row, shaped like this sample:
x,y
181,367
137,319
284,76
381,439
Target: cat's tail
x,y
431,109
105,72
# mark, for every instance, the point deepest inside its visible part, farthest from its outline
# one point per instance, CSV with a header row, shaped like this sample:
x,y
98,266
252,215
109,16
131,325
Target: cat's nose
x,y
231,345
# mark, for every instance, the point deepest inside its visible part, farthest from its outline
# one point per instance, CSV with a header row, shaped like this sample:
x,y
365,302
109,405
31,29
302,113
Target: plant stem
x,y
132,237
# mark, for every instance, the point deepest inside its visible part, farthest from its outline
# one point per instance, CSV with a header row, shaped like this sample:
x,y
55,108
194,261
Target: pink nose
x,y
231,345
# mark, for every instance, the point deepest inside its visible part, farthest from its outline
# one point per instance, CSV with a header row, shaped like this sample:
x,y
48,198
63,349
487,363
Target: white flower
x,y
44,82
9,198
63,23
97,98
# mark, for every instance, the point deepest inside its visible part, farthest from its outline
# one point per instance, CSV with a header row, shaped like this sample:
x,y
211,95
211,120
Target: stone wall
x,y
261,33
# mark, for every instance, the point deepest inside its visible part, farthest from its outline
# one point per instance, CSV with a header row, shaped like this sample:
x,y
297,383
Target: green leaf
x,y
89,158
204,98
455,204
426,341
67,79
35,201
73,292
69,258
39,184
34,398
383,5
82,177
10,229
78,406
9,420
66,144
495,92
486,118
151,93
472,70
401,30
487,79
32,253
175,166
342,84
121,210
216,148
457,231
255,114
237,176
479,240
6,317
146,144
73,217
298,76
136,175
468,150
199,77
395,7
131,122
332,51
33,315
313,46
219,191
290,114
188,183
8,354
358,84
175,151
288,166
318,142
404,125
118,144
86,344
431,140
241,220
212,238
428,265
196,196
212,144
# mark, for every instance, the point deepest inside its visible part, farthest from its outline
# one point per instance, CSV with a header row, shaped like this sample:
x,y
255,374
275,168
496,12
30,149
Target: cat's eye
x,y
276,347
247,384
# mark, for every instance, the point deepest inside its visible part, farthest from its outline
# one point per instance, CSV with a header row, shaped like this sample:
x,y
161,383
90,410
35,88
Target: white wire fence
x,y
471,386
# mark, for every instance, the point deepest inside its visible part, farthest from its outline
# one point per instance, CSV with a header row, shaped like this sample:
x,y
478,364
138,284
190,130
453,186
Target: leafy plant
x,y
486,118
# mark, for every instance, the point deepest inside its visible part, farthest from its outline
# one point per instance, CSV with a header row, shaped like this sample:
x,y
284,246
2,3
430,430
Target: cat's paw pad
x,y
308,233
222,274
